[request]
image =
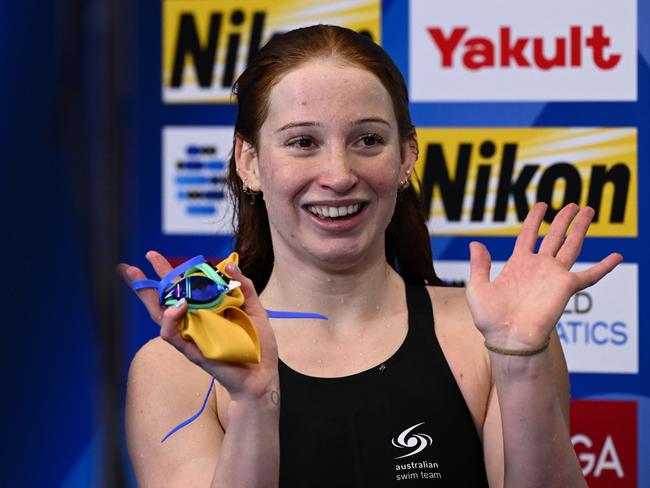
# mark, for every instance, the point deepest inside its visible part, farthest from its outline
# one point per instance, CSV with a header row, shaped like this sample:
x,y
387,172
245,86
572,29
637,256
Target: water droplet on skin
x,y
314,340
342,300
320,361
388,326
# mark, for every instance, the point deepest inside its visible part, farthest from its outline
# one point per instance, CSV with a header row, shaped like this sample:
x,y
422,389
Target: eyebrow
x,y
291,125
370,120
367,120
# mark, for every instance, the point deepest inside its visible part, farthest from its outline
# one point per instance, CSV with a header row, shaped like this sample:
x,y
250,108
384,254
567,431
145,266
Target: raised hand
x,y
242,380
520,308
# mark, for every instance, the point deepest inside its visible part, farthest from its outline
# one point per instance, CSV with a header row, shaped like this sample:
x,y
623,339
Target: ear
x,y
410,153
247,163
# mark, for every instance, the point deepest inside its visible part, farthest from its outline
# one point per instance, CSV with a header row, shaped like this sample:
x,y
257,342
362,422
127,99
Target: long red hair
x,y
408,248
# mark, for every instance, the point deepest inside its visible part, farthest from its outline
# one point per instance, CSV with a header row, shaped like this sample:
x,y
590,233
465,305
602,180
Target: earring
x,y
406,182
247,190
250,193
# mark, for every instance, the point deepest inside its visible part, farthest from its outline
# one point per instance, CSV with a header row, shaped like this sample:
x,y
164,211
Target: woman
x,y
403,385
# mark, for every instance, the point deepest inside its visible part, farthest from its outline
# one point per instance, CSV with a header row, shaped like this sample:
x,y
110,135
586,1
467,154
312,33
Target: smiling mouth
x,y
335,212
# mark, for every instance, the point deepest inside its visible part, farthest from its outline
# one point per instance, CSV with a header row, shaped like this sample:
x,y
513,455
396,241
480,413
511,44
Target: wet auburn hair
x,y
408,248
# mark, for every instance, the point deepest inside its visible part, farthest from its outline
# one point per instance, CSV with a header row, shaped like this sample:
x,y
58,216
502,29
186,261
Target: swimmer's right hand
x,y
244,381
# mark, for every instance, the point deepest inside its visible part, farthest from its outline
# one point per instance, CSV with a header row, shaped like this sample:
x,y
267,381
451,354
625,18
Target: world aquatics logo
x,y
417,442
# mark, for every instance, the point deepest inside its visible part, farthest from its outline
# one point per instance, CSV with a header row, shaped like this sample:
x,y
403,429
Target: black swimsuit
x,y
403,423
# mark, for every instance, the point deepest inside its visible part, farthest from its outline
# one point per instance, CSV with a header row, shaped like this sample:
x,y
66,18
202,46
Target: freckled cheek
x,y
385,181
281,185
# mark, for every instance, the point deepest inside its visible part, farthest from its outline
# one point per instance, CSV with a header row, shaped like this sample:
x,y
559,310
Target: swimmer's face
x,y
329,162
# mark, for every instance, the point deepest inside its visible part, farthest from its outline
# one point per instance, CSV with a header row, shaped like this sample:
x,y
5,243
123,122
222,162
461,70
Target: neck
x,y
355,293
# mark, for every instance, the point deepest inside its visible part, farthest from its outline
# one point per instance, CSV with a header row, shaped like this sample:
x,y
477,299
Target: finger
x,y
530,228
251,299
148,296
479,264
556,232
594,274
160,264
570,249
170,332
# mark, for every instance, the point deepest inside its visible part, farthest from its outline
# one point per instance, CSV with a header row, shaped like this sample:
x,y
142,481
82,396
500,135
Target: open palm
x,y
520,308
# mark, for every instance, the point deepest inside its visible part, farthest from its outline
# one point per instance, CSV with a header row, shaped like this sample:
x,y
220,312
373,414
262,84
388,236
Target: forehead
x,y
328,91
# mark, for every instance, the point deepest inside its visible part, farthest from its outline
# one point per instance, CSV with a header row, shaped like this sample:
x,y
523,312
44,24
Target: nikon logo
x,y
189,50
208,43
484,181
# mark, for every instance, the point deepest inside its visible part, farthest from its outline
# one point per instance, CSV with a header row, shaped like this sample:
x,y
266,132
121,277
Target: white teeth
x,y
326,211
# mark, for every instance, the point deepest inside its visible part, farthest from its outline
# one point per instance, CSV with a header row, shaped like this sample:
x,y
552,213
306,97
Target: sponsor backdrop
x,y
514,102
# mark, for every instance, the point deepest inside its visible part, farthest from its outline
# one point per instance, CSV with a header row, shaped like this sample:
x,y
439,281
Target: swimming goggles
x,y
203,286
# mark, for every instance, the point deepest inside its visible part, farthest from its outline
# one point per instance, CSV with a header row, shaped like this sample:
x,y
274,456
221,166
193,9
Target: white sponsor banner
x,y
509,50
194,168
599,327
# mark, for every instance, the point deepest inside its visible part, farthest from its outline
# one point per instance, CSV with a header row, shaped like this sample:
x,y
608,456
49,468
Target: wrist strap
x,y
517,352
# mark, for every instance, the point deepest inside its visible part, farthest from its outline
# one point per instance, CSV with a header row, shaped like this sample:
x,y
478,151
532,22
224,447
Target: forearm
x,y
250,452
536,440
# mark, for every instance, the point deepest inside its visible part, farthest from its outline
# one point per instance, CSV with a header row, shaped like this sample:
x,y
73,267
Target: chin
x,y
340,257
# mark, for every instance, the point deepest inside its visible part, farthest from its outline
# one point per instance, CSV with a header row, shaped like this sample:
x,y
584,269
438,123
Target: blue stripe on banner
x,y
201,210
199,180
193,180
201,165
215,164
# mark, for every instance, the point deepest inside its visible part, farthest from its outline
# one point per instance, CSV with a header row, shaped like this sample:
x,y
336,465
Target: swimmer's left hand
x,y
520,308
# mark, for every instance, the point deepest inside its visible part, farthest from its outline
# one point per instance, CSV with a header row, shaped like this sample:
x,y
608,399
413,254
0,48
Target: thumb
x,y
479,264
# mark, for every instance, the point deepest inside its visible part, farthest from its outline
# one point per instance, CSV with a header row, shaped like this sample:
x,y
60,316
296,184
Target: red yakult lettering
x,y
479,52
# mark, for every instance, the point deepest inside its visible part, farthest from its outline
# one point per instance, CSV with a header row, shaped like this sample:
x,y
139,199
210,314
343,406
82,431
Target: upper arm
x,y
492,428
163,390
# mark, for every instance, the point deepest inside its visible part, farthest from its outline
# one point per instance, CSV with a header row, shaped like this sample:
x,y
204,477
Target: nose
x,y
338,172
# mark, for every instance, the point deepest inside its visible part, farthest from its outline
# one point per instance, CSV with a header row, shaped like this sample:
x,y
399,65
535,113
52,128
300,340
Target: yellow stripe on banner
x,y
481,181
206,43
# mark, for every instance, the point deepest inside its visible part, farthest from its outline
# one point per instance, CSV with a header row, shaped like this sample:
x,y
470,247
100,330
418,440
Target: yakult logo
x,y
512,50
507,49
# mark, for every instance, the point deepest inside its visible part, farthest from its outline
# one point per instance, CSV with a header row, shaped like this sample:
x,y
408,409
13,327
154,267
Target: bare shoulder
x,y
462,345
164,389
453,319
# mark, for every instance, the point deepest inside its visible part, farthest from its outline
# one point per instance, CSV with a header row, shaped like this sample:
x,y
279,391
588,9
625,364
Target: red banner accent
x,y
604,435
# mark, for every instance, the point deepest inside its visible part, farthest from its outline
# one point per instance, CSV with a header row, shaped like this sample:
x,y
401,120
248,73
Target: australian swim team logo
x,y
408,440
